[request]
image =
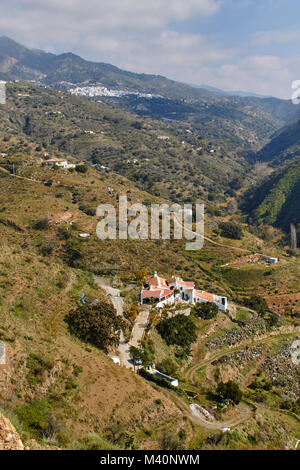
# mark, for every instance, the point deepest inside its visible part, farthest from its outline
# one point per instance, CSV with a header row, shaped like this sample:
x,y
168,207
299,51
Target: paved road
x,y
138,328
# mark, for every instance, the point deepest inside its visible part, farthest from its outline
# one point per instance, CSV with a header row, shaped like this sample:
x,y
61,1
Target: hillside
x,y
275,199
284,146
64,390
172,160
141,92
60,391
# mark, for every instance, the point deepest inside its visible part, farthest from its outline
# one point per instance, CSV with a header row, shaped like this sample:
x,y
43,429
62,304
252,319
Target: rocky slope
x,y
9,438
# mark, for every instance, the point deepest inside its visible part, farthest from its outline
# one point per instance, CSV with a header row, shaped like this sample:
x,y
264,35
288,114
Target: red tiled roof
x,y
157,293
153,281
185,284
204,295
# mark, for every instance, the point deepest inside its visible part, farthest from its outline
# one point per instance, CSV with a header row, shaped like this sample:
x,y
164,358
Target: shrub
x,y
87,210
72,251
41,224
97,324
257,303
231,230
36,417
205,310
36,366
230,390
169,441
178,330
167,366
47,248
93,441
81,168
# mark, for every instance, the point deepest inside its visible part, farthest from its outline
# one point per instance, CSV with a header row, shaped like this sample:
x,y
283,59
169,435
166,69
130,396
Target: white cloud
x,y
279,36
140,35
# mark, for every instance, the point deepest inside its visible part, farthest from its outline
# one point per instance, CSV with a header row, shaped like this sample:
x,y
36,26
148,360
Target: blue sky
x,y
247,45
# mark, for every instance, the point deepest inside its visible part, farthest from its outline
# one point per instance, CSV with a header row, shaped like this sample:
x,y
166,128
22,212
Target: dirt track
x,y
138,328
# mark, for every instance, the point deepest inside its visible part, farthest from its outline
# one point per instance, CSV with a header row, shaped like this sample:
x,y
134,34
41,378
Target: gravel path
x,y
138,328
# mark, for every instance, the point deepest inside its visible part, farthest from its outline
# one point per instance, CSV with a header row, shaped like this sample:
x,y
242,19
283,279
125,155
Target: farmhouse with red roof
x,y
167,291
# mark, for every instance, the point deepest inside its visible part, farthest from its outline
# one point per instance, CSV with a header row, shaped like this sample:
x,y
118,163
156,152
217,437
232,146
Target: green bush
x,y
36,366
93,441
41,224
230,391
168,366
97,324
36,417
81,168
257,303
178,330
205,310
231,230
87,210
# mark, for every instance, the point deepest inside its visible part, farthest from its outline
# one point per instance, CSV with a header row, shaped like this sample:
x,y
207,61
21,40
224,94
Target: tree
x,y
257,303
135,354
230,391
41,224
167,366
231,230
72,252
132,313
169,441
140,276
205,310
81,168
97,324
178,330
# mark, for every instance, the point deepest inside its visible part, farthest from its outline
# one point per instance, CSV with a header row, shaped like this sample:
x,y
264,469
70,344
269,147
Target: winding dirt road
x,y
210,357
138,328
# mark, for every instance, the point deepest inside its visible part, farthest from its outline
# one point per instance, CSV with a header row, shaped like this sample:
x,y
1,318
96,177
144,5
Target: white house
x,y
61,162
166,291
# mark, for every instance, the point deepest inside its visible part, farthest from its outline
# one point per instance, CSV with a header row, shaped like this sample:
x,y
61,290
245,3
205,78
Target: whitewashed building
x,y
61,162
167,291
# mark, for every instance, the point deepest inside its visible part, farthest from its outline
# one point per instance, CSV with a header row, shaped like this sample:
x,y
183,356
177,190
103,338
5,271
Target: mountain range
x,y
67,70
236,129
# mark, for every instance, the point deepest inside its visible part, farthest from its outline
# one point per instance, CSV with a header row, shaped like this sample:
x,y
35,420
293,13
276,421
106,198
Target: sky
x,y
248,45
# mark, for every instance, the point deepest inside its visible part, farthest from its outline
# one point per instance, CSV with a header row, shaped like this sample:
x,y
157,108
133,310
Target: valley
x,y
59,387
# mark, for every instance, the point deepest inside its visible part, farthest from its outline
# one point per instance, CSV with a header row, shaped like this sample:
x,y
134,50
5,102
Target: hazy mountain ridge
x,y
66,70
